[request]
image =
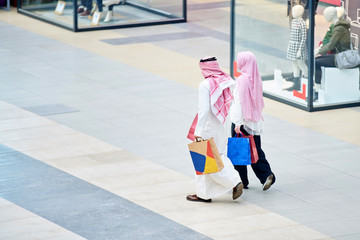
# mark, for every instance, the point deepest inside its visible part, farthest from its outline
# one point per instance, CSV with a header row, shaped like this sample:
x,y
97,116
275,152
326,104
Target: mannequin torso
x,y
340,39
297,43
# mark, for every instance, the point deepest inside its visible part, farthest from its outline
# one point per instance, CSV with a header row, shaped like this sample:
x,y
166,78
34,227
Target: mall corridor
x,y
93,141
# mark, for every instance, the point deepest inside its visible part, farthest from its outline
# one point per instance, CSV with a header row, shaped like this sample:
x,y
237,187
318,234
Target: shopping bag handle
x,y
237,134
199,139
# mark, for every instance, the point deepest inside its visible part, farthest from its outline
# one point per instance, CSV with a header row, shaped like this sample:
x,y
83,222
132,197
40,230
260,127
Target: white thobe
x,y
214,184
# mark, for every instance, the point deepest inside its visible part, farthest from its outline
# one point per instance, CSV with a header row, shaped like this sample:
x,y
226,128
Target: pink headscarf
x,y
220,93
250,87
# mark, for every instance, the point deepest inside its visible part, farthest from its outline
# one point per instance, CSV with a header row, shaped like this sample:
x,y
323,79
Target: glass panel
x,y
334,85
124,12
59,12
263,27
105,13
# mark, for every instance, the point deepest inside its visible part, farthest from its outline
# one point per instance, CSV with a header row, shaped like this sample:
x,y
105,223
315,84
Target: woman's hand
x,y
237,129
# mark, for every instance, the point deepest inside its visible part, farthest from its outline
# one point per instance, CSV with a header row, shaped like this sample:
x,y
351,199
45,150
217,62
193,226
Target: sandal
x,y
195,198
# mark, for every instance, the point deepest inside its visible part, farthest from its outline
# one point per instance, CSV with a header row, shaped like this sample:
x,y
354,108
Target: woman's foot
x,y
237,190
195,198
268,182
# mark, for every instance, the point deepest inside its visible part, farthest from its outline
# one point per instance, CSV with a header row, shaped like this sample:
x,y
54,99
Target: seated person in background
x,y
339,41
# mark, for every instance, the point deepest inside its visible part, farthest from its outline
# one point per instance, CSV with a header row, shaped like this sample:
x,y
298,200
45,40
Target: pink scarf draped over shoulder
x,y
220,92
250,87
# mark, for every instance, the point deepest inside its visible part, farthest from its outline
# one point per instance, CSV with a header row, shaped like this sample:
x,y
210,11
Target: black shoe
x,y
268,182
81,9
85,13
296,86
316,96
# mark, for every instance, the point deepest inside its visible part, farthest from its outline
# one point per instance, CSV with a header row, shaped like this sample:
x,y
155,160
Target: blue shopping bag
x,y
239,150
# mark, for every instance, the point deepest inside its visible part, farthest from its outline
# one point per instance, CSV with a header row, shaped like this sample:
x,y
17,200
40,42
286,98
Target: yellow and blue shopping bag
x,y
205,156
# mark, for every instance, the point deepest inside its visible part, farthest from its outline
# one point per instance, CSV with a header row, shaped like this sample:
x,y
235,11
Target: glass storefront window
x,y
83,15
286,39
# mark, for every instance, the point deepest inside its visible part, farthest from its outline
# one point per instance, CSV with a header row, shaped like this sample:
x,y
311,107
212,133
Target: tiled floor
x,y
92,133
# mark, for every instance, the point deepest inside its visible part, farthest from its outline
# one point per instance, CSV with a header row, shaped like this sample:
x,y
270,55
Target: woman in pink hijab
x,y
213,122
246,115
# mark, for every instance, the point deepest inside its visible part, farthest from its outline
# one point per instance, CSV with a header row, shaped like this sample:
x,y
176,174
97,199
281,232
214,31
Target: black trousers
x,y
261,169
88,4
323,61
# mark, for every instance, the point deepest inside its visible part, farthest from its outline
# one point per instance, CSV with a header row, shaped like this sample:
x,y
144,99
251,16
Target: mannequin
x,y
304,3
339,41
340,14
297,50
110,4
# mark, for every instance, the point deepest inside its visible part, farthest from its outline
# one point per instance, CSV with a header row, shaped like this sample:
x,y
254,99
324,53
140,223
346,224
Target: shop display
x,y
84,15
296,50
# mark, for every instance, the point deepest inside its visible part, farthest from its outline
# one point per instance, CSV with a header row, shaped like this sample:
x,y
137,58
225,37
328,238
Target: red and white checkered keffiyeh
x,y
220,92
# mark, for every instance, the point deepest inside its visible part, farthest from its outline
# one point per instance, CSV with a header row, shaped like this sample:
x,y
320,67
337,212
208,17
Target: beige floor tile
x,y
18,223
238,224
215,211
159,191
294,232
33,132
36,143
297,232
144,178
327,122
117,156
9,112
19,123
53,153
68,150
166,204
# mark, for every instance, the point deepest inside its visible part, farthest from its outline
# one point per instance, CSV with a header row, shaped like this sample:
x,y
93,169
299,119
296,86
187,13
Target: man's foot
x,y
81,9
237,190
85,13
268,182
195,198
